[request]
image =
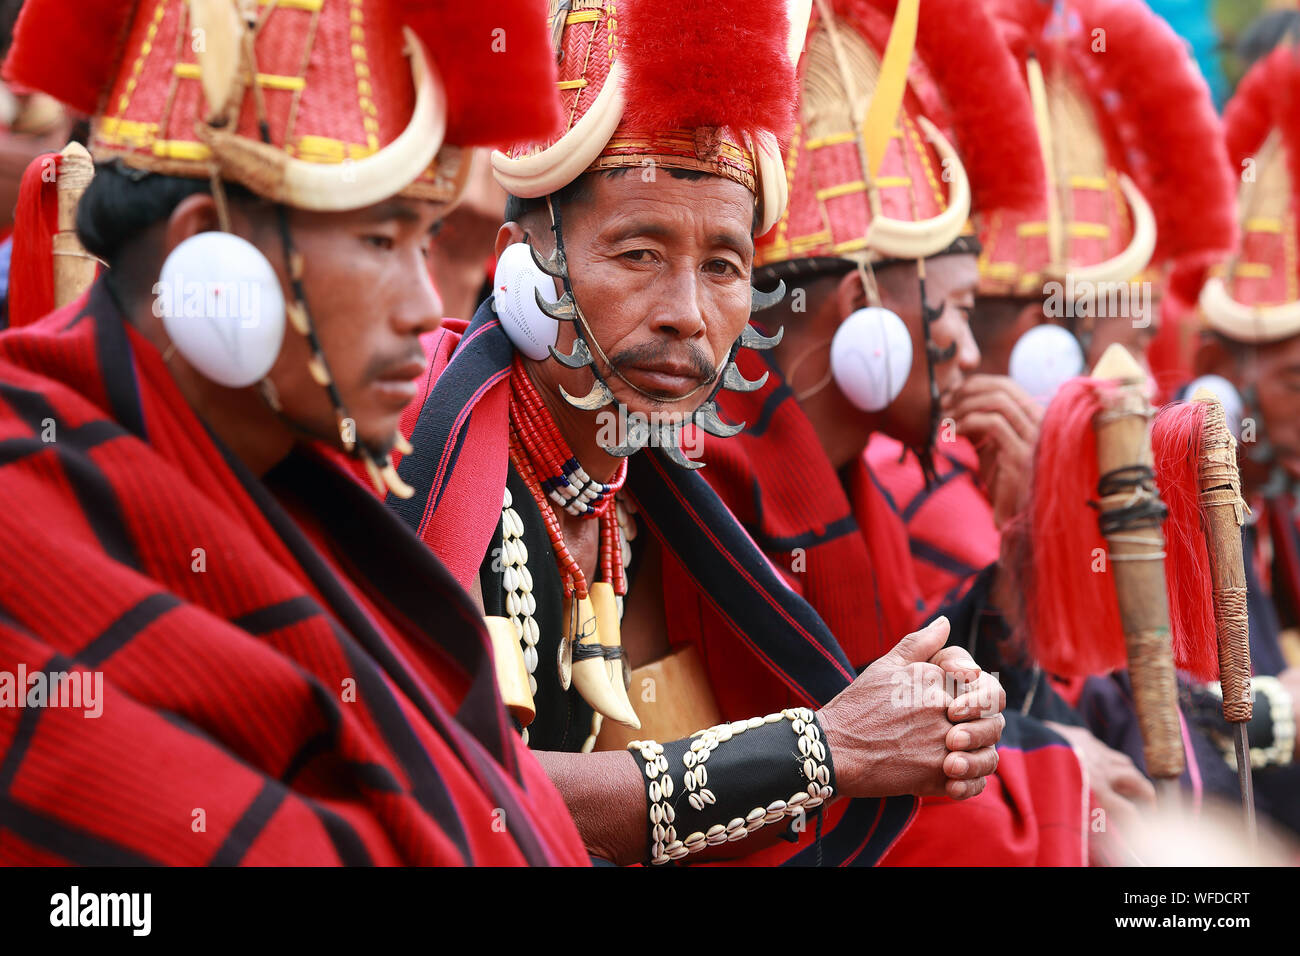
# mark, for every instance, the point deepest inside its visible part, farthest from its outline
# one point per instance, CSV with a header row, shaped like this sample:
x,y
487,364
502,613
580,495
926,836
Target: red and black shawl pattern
x,y
722,593
853,565
289,676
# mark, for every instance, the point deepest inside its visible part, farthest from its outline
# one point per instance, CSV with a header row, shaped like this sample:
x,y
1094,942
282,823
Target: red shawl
x,y
949,525
288,676
856,572
763,646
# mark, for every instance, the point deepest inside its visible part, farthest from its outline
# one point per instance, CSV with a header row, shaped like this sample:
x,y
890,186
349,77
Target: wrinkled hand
x,y
898,730
1118,787
1001,421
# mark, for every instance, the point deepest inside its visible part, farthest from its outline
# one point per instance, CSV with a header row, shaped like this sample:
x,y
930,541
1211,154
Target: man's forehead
x,y
662,199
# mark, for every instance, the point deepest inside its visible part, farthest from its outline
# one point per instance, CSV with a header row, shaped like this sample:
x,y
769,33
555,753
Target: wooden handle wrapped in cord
x,y
1131,518
74,268
1224,512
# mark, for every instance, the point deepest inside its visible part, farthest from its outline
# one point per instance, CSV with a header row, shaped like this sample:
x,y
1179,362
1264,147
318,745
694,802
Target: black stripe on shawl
x,y
428,788
130,623
705,539
939,558
96,496
78,846
250,825
117,366
488,354
405,574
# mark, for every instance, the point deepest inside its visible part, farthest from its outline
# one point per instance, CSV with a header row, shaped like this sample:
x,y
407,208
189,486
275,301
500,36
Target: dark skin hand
x,y
1001,421
662,270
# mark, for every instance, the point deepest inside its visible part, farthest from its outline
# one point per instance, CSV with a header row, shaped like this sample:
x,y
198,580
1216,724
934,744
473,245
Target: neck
x,y
240,417
842,429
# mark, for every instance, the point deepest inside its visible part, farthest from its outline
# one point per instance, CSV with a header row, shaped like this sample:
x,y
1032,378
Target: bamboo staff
x,y
74,267
1131,517
1224,513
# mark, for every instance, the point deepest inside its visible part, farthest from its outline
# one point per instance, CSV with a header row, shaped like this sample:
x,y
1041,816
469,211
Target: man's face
x,y
370,295
1274,372
1134,331
661,270
950,283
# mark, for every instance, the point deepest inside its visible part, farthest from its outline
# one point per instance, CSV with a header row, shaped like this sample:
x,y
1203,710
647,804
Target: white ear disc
x,y
1228,396
1044,359
871,357
517,281
221,303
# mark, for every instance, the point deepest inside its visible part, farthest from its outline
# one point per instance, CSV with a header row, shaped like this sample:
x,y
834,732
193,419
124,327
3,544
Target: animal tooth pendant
x,y
758,300
512,674
590,675
598,397
611,641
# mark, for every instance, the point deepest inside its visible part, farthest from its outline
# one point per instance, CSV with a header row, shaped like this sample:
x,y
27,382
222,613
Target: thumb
x,y
923,644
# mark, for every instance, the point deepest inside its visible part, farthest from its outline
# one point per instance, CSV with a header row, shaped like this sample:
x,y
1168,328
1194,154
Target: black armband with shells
x,y
721,784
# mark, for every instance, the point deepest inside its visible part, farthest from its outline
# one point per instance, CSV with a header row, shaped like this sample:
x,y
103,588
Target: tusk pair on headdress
x,y
897,239
335,187
1136,256
548,171
1247,323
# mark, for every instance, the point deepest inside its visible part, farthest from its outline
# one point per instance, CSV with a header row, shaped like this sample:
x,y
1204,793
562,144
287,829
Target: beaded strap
x,y
1271,728
756,765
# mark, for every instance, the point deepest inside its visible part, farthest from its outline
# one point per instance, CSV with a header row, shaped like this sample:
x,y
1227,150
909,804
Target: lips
x,y
397,384
666,379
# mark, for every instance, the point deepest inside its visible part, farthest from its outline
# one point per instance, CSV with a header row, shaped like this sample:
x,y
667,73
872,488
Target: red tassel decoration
x,y
1176,446
36,220
1072,613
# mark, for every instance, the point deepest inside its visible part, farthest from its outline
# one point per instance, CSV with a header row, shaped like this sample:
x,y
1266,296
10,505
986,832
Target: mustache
x,y
662,353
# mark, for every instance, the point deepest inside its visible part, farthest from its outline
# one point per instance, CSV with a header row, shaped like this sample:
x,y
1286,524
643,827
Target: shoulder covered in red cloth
x,y
254,694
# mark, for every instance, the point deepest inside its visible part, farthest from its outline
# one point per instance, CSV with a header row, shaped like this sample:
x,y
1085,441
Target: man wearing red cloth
x,y
876,336
1136,182
280,672
1251,337
553,471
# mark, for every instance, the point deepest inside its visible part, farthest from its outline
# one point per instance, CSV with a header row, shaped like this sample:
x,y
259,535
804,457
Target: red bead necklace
x,y
536,444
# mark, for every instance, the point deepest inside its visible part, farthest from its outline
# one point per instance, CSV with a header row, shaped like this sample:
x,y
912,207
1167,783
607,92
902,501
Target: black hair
x,y
121,203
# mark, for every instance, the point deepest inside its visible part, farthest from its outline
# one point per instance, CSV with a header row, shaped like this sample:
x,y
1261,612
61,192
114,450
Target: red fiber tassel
x,y
1176,445
1072,613
36,220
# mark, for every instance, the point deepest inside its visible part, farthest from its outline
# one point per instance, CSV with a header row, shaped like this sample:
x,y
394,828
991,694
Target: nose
x,y
420,307
680,311
968,350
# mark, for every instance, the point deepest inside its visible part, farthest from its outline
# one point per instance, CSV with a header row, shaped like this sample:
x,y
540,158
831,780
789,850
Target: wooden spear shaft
x,y
1224,513
74,268
1131,524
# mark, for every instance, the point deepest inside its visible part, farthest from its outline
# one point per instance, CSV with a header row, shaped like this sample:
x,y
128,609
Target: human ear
x,y
194,214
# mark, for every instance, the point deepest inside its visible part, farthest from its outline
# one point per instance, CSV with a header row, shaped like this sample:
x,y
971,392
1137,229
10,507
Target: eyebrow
x,y
732,240
391,209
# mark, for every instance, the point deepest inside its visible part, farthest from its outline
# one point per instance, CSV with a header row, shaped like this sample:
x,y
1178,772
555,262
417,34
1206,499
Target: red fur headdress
x,y
1256,298
337,78
1134,104
961,79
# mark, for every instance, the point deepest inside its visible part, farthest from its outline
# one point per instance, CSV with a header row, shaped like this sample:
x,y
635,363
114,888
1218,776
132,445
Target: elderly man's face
x,y
661,269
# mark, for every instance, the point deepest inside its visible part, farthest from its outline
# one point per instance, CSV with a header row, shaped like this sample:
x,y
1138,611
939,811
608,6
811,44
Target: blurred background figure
x,y
30,124
462,262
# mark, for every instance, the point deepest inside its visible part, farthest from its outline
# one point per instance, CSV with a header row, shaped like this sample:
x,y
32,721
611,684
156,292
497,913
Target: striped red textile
x,y
288,677
839,541
950,529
